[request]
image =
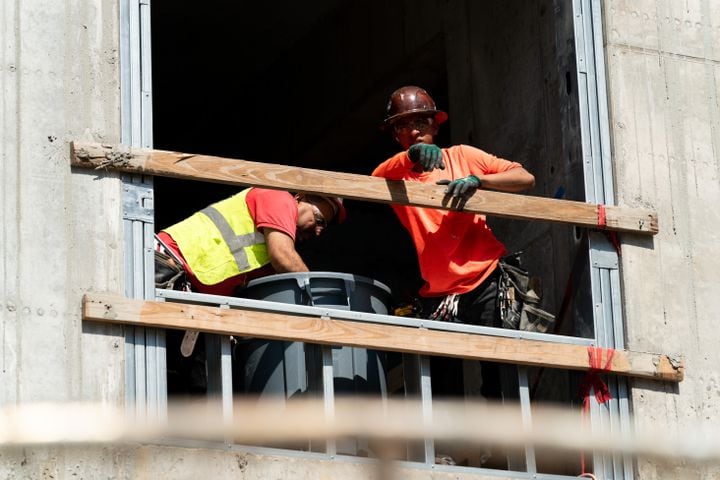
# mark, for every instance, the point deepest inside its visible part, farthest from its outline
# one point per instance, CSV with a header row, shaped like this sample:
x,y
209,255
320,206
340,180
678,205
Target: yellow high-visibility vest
x,y
221,241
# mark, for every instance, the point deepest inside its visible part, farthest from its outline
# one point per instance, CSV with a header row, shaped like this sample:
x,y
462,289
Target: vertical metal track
x,y
417,380
604,273
218,352
145,364
144,348
143,8
526,411
138,335
328,392
226,383
426,399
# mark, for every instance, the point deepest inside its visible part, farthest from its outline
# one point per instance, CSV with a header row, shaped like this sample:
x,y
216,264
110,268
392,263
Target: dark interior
x,y
306,83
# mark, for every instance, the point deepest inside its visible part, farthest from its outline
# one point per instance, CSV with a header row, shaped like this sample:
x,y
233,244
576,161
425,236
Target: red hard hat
x,y
338,208
410,100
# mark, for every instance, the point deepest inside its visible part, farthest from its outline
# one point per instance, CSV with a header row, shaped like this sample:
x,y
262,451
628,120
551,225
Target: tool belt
x,y
168,273
519,298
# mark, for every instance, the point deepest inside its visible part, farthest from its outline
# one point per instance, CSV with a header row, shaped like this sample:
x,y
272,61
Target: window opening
x,y
269,103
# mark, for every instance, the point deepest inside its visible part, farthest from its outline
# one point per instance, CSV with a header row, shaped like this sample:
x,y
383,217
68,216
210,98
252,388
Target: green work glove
x,y
462,187
429,156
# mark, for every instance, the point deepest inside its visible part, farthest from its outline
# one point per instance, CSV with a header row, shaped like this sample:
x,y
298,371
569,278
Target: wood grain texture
x,y
328,331
353,186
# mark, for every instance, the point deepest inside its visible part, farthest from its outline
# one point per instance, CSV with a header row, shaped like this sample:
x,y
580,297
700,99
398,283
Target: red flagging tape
x,y
592,381
602,216
602,225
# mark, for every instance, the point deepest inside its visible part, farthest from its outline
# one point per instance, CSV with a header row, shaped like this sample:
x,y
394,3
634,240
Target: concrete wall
x,y
60,230
132,462
664,83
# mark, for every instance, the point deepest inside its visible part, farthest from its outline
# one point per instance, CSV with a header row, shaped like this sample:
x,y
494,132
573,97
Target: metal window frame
x,y
146,384
604,265
145,360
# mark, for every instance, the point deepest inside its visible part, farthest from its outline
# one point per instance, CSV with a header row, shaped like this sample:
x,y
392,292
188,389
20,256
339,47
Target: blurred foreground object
x,y
385,421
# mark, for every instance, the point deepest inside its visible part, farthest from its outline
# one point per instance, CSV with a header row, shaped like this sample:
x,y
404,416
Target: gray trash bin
x,y
278,368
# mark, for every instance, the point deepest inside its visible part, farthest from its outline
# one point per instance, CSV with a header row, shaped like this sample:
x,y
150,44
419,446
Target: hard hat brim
x,y
340,214
439,116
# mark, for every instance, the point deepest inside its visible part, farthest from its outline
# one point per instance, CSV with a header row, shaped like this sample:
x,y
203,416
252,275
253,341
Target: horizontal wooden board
x,y
328,331
353,186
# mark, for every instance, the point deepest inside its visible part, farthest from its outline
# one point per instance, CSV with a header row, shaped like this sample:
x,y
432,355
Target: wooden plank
x,y
293,327
353,186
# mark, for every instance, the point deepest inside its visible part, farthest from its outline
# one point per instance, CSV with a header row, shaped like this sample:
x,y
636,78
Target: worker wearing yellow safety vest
x,y
250,234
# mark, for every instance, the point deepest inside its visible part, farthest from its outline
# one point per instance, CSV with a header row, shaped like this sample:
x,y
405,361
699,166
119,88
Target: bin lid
x,y
303,276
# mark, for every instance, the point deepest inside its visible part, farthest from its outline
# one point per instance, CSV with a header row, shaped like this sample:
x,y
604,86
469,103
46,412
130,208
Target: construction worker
x,y
220,248
457,252
248,235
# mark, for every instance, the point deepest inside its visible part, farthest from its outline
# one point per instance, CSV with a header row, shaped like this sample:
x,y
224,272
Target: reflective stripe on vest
x,y
237,243
221,241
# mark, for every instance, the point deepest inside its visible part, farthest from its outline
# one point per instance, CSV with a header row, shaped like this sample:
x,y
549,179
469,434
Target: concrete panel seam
x,y
662,53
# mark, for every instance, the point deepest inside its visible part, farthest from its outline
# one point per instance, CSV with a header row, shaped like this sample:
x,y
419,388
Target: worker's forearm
x,y
515,180
282,253
288,263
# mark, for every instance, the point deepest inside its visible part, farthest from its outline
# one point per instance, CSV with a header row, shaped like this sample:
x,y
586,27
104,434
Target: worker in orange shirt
x,y
457,252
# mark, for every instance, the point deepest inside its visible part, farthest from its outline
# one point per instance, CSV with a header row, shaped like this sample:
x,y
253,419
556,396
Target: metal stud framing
x,y
604,273
145,380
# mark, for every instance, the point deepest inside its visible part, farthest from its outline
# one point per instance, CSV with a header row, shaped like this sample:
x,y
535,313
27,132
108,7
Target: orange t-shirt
x,y
456,251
